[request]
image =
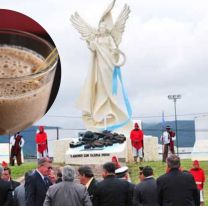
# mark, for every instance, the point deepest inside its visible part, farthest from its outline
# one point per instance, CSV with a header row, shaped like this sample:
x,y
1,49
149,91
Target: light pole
x,y
174,98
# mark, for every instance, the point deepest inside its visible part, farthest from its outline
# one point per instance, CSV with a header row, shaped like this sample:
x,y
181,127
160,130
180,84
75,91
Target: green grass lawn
x,y
19,171
159,169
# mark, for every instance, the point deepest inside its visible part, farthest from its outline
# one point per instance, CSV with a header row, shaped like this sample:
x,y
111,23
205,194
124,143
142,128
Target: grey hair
x,y
173,161
68,173
43,160
1,170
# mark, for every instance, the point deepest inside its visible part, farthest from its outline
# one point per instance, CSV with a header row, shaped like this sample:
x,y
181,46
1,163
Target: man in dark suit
x,y
145,193
177,188
122,173
111,191
37,184
7,176
19,192
5,191
86,177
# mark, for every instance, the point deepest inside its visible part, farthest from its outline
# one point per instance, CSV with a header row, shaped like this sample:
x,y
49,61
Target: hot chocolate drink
x,y
24,88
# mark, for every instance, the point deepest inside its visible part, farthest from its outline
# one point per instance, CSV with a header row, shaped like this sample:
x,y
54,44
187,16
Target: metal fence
x,y
68,126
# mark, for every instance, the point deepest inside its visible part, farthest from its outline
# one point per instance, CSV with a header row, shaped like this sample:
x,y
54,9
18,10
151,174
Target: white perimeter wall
x,y
200,150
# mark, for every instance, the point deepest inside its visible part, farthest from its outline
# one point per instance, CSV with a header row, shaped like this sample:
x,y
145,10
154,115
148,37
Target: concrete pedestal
x,y
59,149
80,156
151,148
63,154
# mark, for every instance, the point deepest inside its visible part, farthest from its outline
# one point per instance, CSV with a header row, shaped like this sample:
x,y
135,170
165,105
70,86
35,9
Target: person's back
x,y
67,192
19,192
111,191
145,193
177,188
19,195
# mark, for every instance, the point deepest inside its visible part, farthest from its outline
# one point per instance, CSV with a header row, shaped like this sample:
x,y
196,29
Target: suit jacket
x,y
145,193
67,193
177,188
91,188
5,193
112,192
35,189
19,196
13,184
131,192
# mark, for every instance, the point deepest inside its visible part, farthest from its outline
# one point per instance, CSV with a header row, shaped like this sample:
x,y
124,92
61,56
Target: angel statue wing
x,y
107,17
87,32
119,25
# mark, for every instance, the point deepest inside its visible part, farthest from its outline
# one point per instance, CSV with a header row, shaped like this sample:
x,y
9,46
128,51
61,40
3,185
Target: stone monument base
x,y
150,148
80,156
61,153
59,148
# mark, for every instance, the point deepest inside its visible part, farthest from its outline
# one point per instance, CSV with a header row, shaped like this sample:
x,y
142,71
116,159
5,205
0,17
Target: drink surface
x,y
18,61
22,101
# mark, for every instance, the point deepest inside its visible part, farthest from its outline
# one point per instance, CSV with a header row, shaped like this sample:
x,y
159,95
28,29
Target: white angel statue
x,y
96,100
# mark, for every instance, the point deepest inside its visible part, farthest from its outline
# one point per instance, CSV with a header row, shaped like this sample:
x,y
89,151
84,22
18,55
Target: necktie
x,y
46,181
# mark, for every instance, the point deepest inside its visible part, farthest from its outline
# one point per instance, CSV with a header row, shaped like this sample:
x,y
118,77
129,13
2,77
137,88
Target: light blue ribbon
x,y
117,76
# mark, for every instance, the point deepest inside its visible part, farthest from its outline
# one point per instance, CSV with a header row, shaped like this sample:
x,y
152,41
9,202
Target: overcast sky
x,y
165,41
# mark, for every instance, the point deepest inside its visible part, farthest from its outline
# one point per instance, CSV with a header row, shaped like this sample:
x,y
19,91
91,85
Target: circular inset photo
x,y
30,72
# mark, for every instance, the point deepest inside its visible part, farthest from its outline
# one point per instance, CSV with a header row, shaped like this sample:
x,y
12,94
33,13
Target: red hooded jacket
x,y
137,137
41,140
116,162
199,177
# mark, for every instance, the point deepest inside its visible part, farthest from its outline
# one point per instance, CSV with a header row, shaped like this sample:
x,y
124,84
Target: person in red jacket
x,y
137,142
41,141
199,178
116,162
